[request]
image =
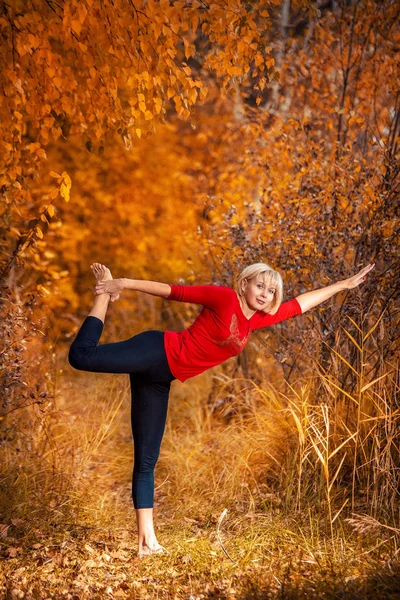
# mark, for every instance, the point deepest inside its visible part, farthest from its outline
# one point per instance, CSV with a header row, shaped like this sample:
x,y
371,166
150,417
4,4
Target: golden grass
x,y
259,492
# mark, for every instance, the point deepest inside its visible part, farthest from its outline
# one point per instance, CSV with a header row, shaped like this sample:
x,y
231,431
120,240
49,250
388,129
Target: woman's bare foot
x,y
147,550
103,273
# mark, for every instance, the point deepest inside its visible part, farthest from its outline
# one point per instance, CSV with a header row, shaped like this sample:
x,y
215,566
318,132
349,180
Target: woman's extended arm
x,y
139,285
311,299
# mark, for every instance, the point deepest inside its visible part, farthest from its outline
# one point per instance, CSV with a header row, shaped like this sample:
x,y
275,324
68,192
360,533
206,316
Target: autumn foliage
x,y
180,141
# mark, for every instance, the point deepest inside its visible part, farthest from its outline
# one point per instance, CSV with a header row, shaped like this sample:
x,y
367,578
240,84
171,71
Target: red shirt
x,y
220,331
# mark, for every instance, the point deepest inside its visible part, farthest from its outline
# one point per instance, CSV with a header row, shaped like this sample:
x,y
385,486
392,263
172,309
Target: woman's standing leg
x,y
149,413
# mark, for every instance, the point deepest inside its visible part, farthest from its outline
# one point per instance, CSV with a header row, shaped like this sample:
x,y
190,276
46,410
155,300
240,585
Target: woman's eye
x,y
272,291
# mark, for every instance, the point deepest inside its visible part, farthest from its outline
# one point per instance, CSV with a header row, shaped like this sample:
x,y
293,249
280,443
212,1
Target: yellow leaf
x,y
64,191
41,288
50,210
148,115
67,178
54,174
39,232
139,133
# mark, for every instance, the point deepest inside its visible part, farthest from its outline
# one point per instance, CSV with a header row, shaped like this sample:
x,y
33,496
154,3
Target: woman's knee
x,y
146,463
77,357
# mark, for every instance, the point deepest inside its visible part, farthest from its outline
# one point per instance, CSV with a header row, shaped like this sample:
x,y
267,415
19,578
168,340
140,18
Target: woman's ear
x,y
244,286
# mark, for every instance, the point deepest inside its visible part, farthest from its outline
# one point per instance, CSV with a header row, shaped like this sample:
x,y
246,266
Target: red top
x,y
220,331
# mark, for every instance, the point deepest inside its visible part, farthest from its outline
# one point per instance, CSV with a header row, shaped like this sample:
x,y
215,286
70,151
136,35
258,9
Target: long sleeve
x,y
210,296
288,309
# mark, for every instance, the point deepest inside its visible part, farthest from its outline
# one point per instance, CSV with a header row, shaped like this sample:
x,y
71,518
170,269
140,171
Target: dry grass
x,y
260,493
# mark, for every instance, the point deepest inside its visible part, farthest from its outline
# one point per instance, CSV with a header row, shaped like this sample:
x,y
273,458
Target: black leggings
x,y
143,358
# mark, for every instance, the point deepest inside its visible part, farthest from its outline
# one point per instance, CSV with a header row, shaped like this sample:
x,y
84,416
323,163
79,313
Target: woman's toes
x,y
147,551
101,272
106,273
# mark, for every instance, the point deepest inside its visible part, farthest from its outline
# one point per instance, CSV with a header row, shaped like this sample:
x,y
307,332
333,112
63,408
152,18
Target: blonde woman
x,y
153,359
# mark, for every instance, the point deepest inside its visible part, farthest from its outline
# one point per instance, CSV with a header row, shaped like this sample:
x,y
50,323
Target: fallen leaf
x,y
18,522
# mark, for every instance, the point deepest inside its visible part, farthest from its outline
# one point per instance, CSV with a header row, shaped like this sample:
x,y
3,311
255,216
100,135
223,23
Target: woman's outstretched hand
x,y
354,281
113,287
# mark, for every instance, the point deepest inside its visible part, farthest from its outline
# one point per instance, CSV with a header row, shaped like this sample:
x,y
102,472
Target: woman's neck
x,y
246,310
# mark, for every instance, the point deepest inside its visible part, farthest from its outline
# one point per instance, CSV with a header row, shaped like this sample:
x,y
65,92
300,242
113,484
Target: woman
x,y
153,359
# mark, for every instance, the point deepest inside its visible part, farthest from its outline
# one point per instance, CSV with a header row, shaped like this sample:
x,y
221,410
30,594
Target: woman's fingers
x,y
365,270
101,288
361,275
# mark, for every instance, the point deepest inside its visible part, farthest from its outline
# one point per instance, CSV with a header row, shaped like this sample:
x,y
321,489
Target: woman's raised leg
x,y
135,355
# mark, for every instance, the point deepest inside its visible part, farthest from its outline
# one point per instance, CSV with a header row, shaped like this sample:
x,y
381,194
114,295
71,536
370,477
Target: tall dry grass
x,y
317,450
319,445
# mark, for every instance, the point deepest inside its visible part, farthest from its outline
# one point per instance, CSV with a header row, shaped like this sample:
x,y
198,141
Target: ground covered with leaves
x,y
256,557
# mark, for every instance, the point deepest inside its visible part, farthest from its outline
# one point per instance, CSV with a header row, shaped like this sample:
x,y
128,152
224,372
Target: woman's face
x,y
258,294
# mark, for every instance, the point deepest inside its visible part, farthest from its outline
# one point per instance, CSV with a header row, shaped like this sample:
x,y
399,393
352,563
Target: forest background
x,y
180,141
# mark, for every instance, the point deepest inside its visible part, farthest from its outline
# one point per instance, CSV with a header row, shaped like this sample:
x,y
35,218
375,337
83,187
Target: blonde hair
x,y
271,278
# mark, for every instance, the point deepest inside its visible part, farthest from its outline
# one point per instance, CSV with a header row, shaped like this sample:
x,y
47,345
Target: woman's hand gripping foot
x,y
102,273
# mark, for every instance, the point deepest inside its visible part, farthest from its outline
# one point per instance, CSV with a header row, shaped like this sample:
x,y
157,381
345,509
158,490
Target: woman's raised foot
x,y
103,273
